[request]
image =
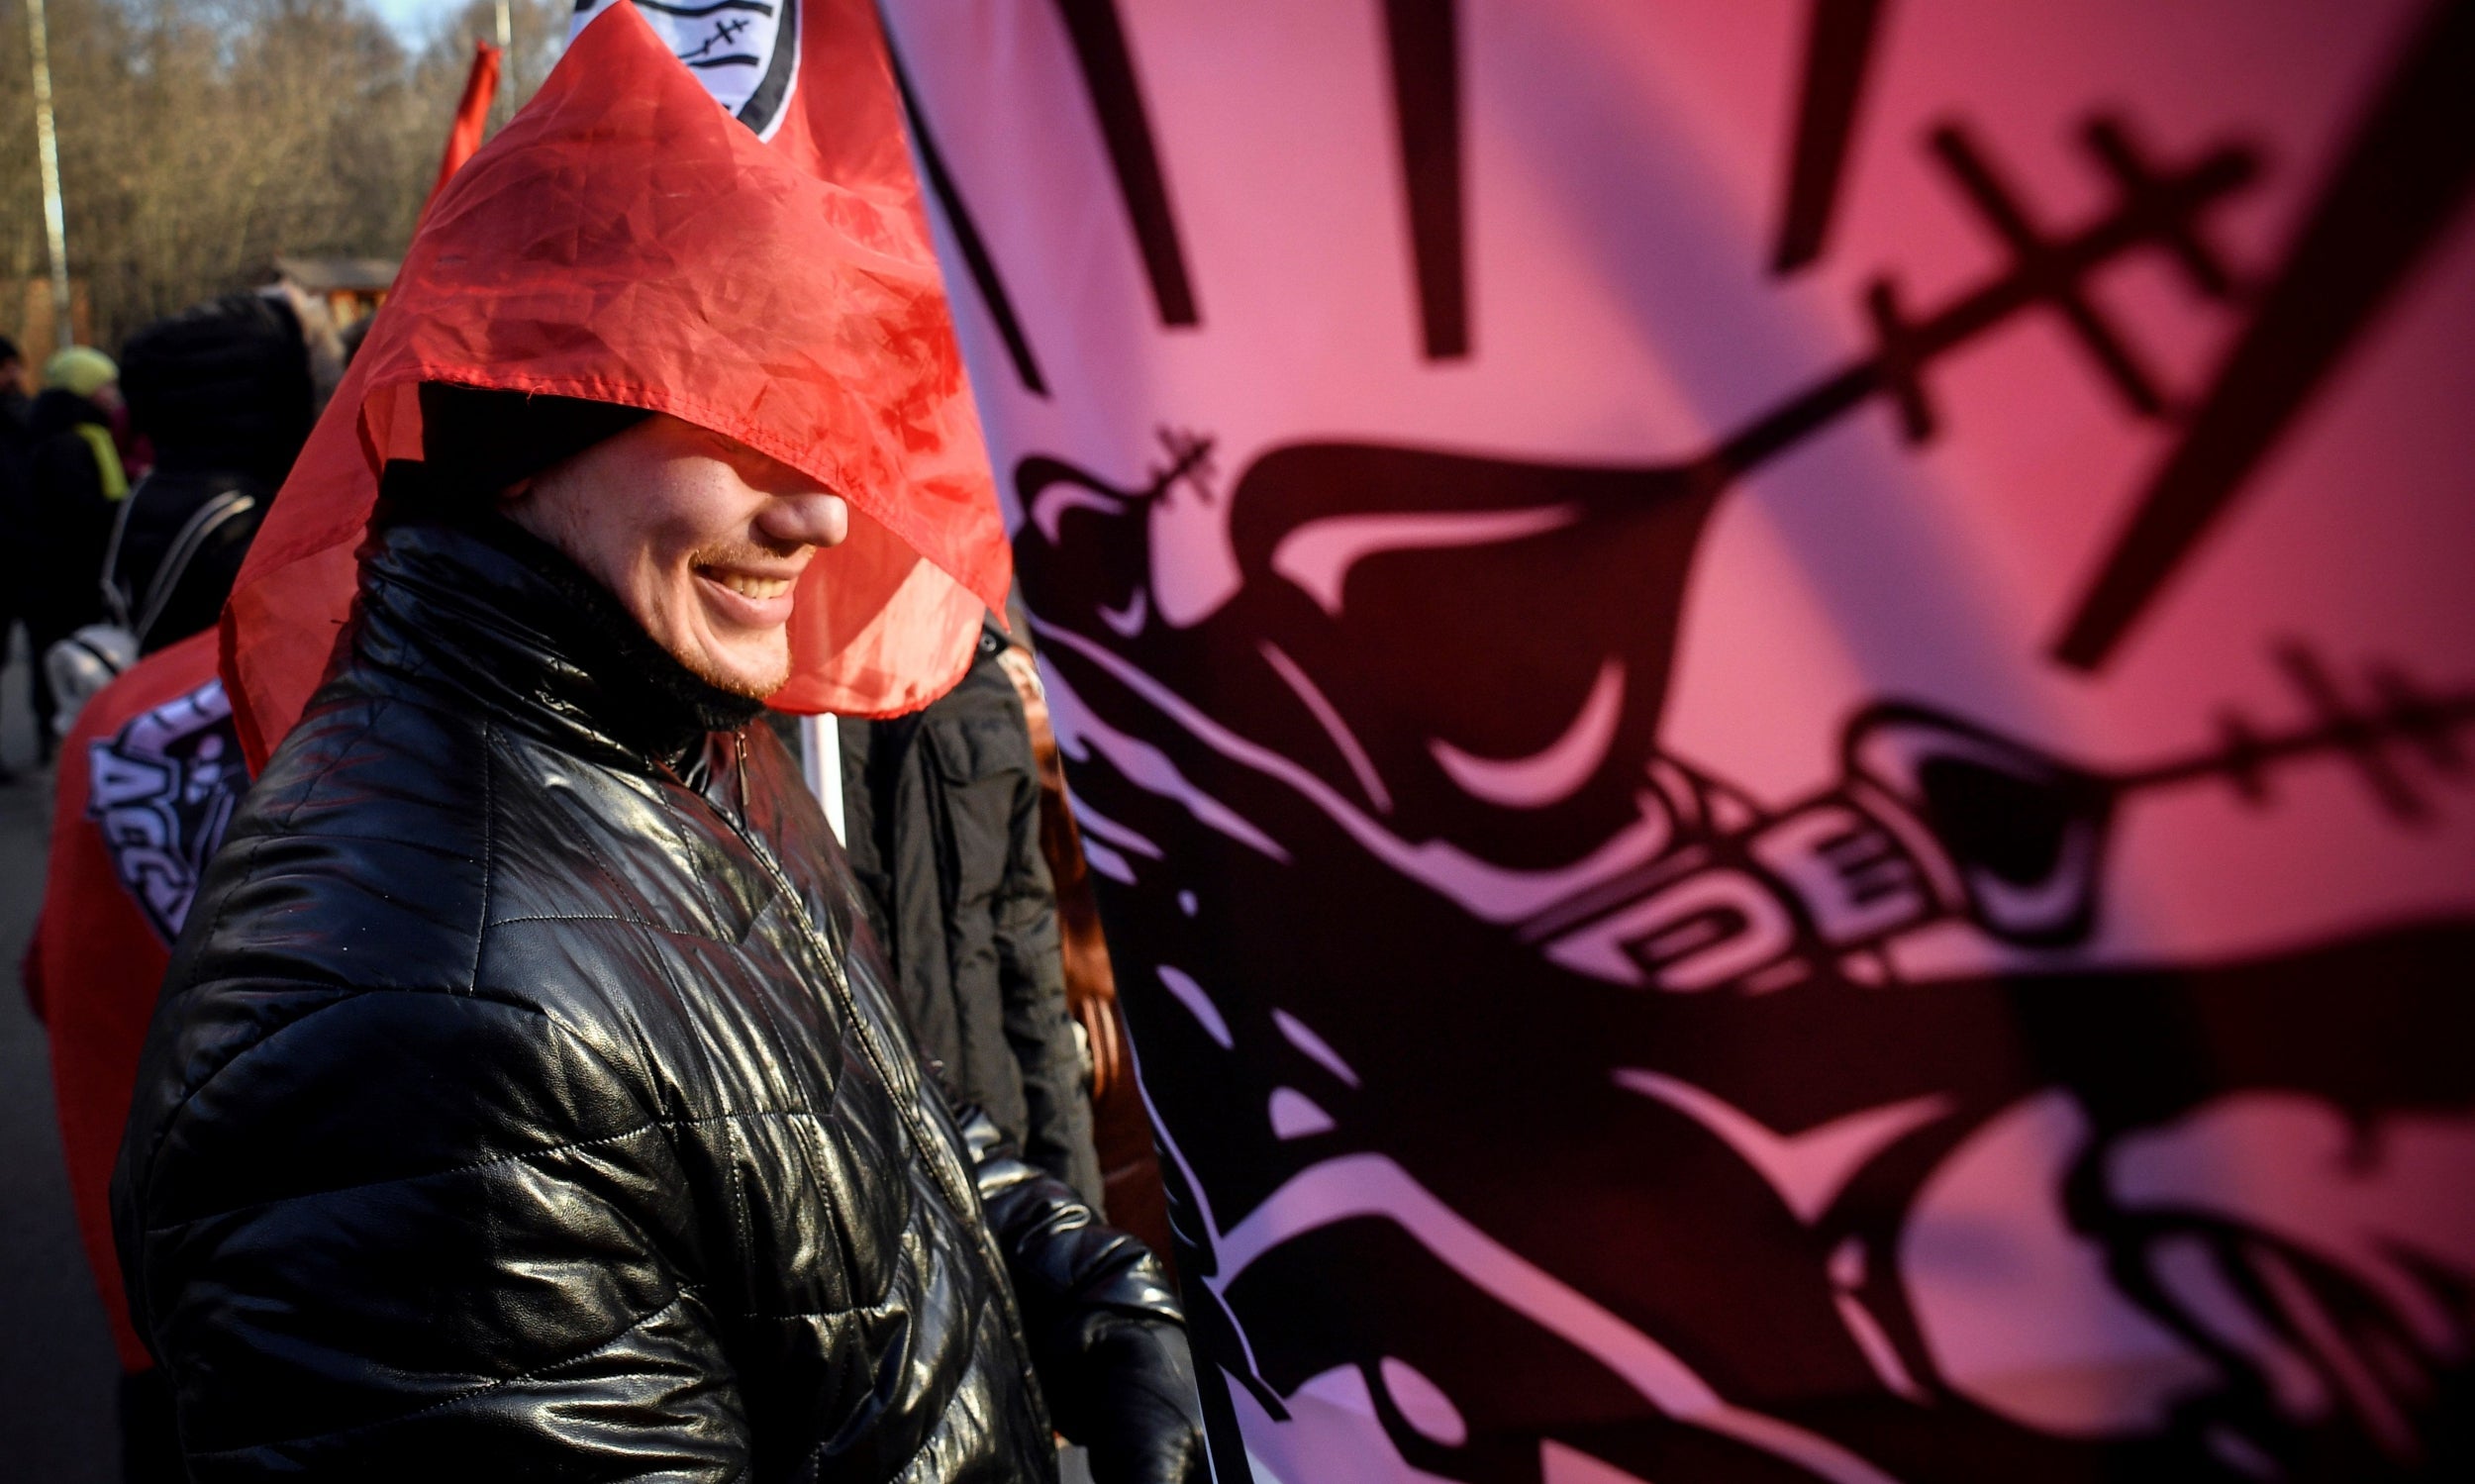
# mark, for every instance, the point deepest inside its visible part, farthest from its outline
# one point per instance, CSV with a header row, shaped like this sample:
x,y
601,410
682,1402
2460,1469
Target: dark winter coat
x,y
525,1104
183,538
942,812
17,507
70,517
224,393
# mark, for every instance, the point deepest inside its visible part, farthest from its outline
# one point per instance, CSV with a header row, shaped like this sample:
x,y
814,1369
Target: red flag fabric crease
x,y
472,114
624,240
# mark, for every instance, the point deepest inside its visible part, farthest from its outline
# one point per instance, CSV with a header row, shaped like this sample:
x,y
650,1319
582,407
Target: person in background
x,y
152,770
17,499
223,392
941,818
148,777
78,476
1120,1127
15,400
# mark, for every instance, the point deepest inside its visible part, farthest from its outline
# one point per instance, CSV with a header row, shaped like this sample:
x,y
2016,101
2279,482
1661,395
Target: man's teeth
x,y
754,587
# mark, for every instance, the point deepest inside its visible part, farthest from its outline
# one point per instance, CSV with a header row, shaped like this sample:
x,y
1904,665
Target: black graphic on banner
x,y
1838,48
967,232
1117,98
745,52
2405,180
1455,971
1427,109
1840,1137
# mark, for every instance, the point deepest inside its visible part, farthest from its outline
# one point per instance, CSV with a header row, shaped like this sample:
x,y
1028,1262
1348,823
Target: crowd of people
x,y
130,489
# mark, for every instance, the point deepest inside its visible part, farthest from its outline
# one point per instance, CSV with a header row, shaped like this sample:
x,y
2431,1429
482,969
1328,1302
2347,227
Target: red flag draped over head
x,y
472,114
624,240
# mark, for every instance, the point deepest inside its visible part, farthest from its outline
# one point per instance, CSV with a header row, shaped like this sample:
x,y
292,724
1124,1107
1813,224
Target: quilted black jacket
x,y
523,1104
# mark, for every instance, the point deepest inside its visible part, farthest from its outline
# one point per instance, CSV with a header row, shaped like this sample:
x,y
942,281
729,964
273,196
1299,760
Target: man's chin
x,y
753,681
754,690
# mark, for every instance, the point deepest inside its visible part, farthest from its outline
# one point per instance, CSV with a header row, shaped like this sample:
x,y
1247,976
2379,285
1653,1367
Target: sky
x,y
414,20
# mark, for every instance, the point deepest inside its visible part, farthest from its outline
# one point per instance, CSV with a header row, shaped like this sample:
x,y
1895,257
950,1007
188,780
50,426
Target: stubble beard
x,y
738,681
729,554
737,684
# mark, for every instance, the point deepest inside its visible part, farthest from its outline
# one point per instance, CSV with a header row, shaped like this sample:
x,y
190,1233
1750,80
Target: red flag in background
x,y
472,115
622,240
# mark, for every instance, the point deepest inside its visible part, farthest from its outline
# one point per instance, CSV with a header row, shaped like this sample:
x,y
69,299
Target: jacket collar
x,y
510,620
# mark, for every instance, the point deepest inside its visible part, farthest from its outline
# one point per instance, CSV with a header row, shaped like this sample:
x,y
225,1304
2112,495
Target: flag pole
x,y
47,149
506,44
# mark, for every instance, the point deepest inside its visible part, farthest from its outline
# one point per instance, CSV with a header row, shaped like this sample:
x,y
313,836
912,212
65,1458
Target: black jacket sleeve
x,y
403,1235
1108,1334
1031,981
943,815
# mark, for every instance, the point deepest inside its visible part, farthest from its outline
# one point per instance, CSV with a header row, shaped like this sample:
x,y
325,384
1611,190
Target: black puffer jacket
x,y
521,1105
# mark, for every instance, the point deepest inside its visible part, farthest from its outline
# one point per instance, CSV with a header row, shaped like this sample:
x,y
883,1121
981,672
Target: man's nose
x,y
815,518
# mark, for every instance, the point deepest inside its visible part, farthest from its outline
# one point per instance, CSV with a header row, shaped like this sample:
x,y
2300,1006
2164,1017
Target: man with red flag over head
x,y
525,1098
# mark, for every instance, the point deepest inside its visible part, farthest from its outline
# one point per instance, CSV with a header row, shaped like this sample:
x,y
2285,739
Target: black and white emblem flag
x,y
745,52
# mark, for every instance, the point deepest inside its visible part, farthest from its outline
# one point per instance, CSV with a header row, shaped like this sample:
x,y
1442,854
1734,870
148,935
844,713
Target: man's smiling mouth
x,y
747,584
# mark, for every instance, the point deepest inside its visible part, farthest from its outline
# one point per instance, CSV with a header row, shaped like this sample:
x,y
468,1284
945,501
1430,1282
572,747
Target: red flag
x,y
148,780
472,115
624,240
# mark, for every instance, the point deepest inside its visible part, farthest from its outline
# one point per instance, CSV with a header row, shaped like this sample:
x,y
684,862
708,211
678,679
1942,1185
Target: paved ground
x,y
56,1370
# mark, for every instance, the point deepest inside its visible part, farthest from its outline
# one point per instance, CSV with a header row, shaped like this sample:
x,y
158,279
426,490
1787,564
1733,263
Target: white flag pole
x,y
821,757
505,101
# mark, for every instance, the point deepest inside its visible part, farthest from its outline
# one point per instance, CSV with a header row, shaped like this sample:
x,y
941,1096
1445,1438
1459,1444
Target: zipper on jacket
x,y
938,1153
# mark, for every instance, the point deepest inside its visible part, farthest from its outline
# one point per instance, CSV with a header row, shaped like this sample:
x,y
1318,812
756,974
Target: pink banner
x,y
1774,701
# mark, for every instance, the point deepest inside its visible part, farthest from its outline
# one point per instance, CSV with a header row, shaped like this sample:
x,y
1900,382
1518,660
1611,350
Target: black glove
x,y
1142,1422
1106,1332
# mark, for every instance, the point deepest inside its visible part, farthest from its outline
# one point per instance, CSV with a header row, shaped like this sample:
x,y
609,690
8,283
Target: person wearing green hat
x,y
78,478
